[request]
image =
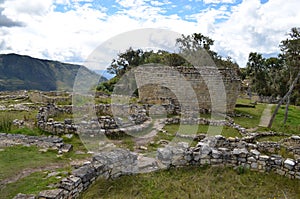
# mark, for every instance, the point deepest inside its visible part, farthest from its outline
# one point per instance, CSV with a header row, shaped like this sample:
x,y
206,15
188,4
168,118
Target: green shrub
x,y
6,123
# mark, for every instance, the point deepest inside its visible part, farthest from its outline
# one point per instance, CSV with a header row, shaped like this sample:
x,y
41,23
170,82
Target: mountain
x,y
105,74
19,72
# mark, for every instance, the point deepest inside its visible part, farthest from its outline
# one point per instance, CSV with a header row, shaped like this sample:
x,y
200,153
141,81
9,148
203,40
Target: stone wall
x,y
108,125
50,142
220,151
50,97
106,165
215,151
160,86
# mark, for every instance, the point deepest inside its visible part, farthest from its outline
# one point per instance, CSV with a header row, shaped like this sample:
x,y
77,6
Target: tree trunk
x,y
283,99
286,109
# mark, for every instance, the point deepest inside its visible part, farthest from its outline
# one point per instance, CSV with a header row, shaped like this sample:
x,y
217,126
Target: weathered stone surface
x,y
289,163
46,142
52,194
24,196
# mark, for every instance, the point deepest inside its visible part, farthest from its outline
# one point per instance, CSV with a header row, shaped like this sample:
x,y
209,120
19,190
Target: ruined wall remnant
x,y
171,85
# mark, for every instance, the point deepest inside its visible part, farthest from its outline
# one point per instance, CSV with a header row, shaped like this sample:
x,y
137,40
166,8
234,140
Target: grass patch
x,y
195,182
29,131
21,157
20,115
292,125
31,184
201,129
271,138
254,112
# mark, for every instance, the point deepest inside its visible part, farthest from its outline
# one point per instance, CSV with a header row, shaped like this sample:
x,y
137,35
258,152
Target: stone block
x,y
52,194
289,164
24,196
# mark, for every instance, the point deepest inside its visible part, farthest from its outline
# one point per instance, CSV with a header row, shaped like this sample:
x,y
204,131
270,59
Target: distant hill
x,y
18,72
105,74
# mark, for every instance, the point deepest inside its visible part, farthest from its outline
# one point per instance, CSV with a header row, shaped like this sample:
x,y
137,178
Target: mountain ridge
x,y
23,72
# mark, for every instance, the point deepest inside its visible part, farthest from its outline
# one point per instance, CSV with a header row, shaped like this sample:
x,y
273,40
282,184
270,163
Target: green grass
x,y
31,184
271,138
193,182
202,129
15,159
293,122
21,115
254,112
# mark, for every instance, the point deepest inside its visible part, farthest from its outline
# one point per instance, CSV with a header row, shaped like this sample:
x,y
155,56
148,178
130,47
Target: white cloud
x,y
217,1
253,26
74,34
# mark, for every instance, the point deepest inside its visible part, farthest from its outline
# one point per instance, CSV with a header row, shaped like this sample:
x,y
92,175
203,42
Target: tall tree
x,y
257,71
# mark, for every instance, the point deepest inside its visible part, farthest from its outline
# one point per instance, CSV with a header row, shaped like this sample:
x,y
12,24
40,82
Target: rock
x,y
255,152
53,174
295,137
51,194
69,136
68,121
24,196
163,142
70,183
143,148
240,152
289,164
66,148
263,158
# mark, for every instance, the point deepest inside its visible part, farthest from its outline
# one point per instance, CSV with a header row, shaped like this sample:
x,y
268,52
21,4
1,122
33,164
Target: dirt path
x,y
157,126
266,116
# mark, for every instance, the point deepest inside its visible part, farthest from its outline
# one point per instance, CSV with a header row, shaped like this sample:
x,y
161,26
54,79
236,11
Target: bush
x,y
5,124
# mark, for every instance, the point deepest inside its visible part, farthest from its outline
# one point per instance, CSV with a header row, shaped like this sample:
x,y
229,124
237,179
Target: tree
x,y
194,42
257,71
291,55
125,61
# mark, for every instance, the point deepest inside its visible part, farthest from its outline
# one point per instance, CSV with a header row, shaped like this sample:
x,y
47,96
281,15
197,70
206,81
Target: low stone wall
x,y
136,121
220,151
50,142
204,121
107,165
210,151
50,97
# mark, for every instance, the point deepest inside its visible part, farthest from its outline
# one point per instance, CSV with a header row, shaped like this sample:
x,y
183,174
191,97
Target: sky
x,y
70,30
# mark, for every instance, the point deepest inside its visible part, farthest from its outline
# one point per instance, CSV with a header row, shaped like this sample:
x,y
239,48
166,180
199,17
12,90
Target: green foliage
x,y
132,58
6,123
108,86
273,76
195,182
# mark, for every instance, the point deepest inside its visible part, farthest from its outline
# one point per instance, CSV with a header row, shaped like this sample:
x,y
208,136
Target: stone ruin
x,y
158,86
211,150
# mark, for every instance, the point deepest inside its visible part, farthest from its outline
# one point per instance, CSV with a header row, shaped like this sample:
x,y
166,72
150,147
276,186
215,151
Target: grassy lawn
x,y
17,158
254,112
193,182
200,129
31,184
292,125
